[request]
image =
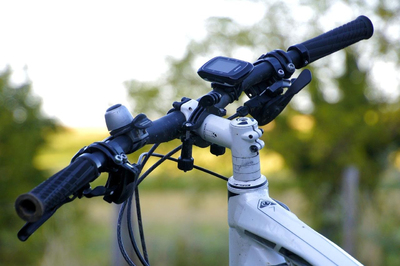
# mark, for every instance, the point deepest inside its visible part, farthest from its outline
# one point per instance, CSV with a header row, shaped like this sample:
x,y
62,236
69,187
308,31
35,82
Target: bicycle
x,y
262,231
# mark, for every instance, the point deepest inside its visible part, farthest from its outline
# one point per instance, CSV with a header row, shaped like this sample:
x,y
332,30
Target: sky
x,y
78,54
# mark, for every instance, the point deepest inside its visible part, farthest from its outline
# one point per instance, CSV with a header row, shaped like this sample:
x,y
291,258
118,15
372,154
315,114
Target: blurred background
x,y
333,155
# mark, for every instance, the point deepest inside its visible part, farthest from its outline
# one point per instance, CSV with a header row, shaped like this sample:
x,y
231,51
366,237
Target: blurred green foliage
x,y
22,133
343,118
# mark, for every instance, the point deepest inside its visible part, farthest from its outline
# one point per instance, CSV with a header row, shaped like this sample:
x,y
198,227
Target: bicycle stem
x,y
241,136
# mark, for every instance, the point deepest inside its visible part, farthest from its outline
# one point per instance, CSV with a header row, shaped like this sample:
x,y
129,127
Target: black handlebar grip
x,y
332,41
55,190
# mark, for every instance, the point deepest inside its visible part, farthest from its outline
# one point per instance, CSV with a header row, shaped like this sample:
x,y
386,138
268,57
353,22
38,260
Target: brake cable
x,y
143,159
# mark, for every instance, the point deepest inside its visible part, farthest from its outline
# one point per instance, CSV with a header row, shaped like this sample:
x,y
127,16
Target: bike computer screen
x,y
225,70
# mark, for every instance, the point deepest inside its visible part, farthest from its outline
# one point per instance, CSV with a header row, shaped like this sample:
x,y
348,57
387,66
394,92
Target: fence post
x,y
350,181
117,258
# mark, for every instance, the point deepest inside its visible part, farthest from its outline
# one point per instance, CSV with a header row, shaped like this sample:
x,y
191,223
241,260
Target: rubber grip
x,y
55,190
335,40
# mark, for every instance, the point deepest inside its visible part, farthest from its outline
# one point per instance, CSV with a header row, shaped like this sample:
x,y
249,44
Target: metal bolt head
x,y
118,158
253,148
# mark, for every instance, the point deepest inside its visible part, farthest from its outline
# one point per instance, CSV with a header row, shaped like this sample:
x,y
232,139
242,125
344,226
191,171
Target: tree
x,y
343,118
22,132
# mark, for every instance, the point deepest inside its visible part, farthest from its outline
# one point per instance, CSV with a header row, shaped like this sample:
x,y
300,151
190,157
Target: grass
x,y
181,225
63,145
184,214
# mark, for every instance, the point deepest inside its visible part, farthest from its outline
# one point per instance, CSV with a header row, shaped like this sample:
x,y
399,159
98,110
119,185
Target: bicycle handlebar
x,y
56,190
166,128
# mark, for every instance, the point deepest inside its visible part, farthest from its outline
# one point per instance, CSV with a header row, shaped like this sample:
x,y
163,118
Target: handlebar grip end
x,y
29,207
369,27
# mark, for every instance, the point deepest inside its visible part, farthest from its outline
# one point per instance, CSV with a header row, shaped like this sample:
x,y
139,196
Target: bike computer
x,y
225,70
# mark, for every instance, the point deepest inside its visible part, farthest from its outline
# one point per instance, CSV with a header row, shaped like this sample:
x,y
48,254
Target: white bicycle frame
x,y
262,231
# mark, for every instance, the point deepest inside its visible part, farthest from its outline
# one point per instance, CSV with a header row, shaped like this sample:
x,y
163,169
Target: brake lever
x,y
271,102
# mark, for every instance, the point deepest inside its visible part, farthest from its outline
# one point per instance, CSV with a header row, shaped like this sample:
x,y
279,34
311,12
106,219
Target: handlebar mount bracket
x,y
121,178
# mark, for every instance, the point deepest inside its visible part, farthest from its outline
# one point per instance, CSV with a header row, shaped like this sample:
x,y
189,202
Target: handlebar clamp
x,y
303,52
122,174
282,68
281,63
